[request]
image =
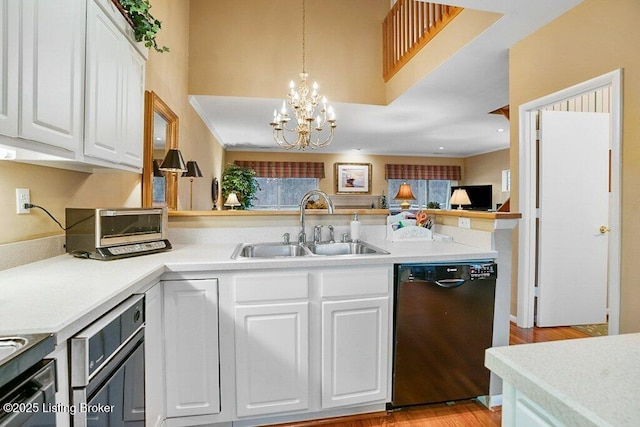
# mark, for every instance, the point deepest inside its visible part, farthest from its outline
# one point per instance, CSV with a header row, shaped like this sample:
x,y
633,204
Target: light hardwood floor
x,y
460,414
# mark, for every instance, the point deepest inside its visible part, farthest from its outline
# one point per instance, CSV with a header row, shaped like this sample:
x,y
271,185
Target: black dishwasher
x,y
443,324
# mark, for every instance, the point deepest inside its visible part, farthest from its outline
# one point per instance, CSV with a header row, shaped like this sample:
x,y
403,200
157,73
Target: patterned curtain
x,y
284,169
422,172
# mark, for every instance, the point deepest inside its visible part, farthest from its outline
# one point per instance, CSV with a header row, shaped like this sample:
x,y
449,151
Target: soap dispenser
x,y
355,228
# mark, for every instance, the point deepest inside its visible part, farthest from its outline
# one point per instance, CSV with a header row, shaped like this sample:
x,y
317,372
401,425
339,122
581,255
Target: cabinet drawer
x,y
355,282
271,286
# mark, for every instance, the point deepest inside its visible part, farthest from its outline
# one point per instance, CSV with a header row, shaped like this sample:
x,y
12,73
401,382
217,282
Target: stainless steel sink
x,y
346,248
286,250
10,345
269,250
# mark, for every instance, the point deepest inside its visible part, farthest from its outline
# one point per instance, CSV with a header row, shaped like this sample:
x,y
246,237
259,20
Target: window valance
x,y
422,172
284,169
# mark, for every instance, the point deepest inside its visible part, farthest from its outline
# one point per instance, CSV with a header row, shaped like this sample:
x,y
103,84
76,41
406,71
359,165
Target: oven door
x,y
28,401
115,395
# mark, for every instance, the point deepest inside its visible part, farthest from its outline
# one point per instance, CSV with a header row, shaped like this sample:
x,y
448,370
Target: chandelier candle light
x,y
303,102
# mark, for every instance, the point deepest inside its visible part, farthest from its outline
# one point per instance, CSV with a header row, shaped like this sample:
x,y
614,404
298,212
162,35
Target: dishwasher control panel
x,y
482,271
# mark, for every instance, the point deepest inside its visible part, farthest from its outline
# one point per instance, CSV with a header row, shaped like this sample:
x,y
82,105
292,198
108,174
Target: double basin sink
x,y
285,250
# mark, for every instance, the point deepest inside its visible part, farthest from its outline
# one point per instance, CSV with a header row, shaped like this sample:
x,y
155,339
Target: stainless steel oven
x,y
107,369
28,399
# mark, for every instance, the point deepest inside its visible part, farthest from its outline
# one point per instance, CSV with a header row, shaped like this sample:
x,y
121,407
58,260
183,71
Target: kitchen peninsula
x,y
199,278
581,382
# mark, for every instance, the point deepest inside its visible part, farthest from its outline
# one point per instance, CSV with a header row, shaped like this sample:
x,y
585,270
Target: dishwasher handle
x,y
449,283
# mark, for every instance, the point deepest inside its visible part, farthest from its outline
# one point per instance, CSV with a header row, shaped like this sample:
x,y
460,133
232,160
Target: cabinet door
x,y
9,68
104,80
272,358
191,347
53,36
133,106
154,358
355,351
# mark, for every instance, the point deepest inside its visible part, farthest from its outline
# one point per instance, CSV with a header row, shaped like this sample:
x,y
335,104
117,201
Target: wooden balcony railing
x,y
408,27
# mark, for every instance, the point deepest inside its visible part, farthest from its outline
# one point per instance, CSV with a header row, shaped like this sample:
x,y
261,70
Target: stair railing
x,y
408,27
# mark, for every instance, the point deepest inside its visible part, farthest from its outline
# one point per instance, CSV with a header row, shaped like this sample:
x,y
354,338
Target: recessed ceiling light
x,y
500,130
440,148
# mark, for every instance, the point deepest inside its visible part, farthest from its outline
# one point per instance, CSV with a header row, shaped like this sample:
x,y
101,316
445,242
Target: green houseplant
x,y
145,26
241,181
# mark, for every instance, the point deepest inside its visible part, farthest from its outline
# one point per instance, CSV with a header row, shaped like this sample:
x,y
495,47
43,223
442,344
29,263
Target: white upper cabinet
x,y
52,72
8,69
115,92
71,84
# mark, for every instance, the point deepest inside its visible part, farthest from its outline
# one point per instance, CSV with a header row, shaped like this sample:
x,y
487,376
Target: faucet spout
x,y
302,236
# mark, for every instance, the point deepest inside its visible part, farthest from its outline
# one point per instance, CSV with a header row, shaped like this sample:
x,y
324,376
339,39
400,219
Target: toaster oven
x,y
107,234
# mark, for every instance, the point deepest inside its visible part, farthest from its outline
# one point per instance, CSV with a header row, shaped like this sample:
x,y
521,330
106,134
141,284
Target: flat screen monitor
x,y
480,196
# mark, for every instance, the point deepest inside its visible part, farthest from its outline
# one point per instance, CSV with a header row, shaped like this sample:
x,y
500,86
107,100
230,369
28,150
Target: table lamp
x,y
460,197
232,200
193,171
405,194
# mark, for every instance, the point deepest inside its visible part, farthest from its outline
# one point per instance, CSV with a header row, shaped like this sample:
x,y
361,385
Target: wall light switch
x,y
22,197
464,222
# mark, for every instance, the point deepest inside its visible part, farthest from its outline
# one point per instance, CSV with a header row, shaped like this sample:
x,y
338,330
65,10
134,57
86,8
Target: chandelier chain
x,y
304,33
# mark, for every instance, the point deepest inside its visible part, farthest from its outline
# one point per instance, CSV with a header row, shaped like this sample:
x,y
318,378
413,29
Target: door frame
x,y
527,190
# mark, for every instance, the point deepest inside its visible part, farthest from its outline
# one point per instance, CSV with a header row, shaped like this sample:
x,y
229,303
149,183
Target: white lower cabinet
x,y
311,340
192,383
272,358
519,410
355,337
271,342
154,358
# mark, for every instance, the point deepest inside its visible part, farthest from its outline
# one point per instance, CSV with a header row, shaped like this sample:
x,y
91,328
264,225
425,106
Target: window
x,y
282,193
432,190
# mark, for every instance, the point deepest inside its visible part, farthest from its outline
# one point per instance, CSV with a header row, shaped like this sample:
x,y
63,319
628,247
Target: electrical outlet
x,y
464,222
22,197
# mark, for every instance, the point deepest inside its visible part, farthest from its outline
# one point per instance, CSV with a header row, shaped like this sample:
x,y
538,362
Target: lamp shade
x,y
156,169
460,197
404,194
193,170
232,200
173,161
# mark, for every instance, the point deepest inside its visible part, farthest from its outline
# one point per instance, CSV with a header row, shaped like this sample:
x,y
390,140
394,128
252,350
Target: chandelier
x,y
308,127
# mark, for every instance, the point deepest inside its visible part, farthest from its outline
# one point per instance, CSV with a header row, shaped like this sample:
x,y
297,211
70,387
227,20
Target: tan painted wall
x,y
328,184
458,33
237,48
168,76
486,169
56,189
592,39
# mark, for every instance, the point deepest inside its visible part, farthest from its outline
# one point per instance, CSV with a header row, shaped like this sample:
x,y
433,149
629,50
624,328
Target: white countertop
x,y
63,294
581,382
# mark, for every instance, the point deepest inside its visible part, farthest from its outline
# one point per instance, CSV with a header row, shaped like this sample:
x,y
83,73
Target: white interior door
x,y
574,204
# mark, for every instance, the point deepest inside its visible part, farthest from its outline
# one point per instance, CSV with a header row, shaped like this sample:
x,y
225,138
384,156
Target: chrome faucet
x,y
302,236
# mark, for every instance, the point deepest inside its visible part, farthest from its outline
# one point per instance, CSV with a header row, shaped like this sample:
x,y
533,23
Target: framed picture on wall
x,y
353,178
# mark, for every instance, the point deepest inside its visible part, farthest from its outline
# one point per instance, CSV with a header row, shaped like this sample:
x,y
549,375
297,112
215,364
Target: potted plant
x,y
241,181
145,26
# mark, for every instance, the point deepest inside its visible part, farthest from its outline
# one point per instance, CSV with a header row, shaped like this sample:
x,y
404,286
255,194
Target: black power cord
x,y
31,205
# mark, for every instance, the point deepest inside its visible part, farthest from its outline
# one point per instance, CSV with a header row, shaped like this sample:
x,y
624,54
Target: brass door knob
x,y
604,229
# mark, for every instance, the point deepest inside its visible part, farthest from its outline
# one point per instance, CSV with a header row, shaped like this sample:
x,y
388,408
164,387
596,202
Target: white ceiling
x,y
426,117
